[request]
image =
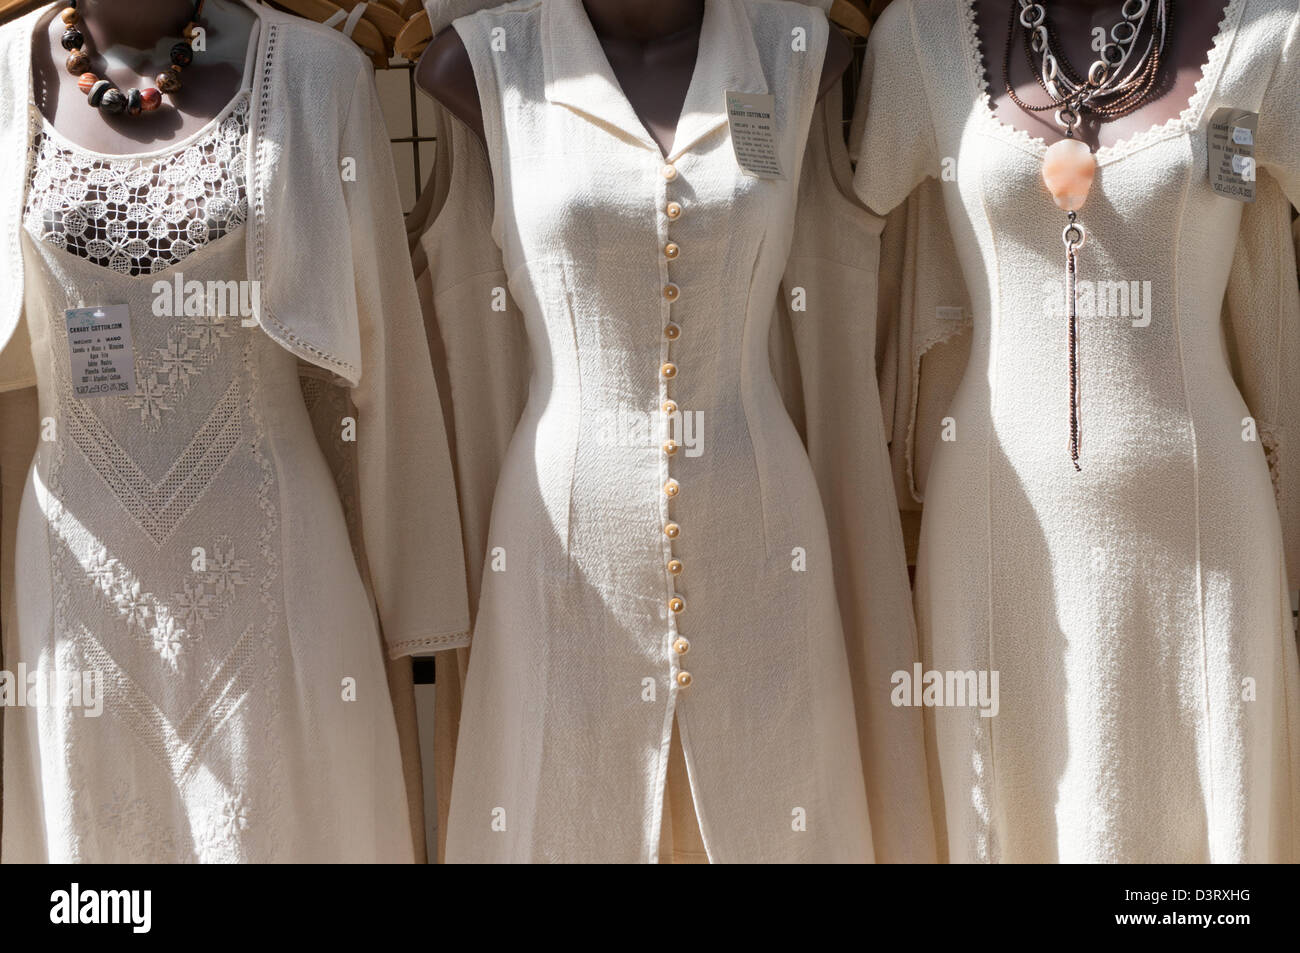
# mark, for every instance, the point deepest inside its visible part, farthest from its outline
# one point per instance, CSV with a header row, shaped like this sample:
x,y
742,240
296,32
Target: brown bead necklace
x,y
105,96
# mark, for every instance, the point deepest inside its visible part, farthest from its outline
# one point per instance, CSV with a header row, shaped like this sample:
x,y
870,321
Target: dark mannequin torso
x,y
136,36
1194,25
651,45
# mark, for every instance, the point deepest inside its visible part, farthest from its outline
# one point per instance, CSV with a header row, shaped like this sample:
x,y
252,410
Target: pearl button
x,y
673,210
672,488
681,646
675,567
672,531
670,447
672,250
669,370
672,332
671,291
684,679
669,171
676,604
669,407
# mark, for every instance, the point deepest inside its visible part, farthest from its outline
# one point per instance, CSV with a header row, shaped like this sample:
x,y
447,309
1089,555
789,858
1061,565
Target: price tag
x,y
99,346
754,133
1232,153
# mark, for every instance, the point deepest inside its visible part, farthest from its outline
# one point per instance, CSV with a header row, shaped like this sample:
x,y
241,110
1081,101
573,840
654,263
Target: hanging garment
x,y
573,681
186,541
1136,611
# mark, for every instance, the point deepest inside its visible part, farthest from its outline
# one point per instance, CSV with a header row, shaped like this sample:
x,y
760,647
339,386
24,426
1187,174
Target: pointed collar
x,y
578,74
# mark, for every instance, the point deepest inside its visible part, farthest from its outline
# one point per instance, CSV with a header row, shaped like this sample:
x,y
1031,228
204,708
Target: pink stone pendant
x,y
1068,170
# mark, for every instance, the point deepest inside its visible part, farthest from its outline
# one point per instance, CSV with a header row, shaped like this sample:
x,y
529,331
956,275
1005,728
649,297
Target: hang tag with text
x,y
1232,153
754,133
99,346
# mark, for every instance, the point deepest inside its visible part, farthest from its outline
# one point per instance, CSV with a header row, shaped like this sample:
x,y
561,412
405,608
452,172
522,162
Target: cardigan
x,y
336,289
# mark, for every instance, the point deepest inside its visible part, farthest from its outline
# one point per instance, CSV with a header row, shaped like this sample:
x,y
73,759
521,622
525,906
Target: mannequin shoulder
x,y
446,73
839,54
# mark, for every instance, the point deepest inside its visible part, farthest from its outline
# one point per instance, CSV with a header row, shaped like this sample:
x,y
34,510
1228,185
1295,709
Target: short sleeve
x,y
892,133
1279,117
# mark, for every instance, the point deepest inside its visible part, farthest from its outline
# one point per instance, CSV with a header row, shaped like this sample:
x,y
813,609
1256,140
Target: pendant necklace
x,y
1119,82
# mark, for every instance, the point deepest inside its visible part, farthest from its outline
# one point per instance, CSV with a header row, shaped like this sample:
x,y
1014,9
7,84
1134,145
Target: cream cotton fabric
x,y
1124,605
481,354
224,735
569,741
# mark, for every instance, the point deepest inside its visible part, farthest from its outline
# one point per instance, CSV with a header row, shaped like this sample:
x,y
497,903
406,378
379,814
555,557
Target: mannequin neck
x,y
643,19
133,23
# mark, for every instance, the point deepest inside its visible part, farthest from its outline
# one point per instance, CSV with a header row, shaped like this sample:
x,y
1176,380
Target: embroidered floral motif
x,y
168,627
193,606
138,216
137,827
167,374
224,570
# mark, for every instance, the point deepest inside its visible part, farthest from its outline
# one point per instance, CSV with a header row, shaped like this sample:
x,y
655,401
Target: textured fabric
x,y
481,357
328,407
1124,606
826,299
19,433
188,543
768,727
357,297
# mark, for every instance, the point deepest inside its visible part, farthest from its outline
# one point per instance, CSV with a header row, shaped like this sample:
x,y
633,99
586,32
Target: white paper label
x,y
99,346
1231,150
754,134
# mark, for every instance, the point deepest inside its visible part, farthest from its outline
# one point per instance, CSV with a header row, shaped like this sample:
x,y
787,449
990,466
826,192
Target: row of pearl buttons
x,y
673,331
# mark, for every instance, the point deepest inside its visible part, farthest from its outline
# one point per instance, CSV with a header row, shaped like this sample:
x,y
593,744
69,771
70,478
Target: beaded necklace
x,y
102,93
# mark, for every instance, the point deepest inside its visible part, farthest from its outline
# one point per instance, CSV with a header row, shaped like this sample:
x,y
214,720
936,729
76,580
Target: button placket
x,y
673,567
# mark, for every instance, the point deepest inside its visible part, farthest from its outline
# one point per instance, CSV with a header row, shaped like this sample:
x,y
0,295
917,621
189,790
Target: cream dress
x,y
1136,611
573,682
186,544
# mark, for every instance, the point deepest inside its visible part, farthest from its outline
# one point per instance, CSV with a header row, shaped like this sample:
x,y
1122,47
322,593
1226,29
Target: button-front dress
x,y
658,550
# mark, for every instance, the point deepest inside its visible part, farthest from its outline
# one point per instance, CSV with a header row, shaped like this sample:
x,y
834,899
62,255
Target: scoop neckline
x,y
176,145
1178,124
51,131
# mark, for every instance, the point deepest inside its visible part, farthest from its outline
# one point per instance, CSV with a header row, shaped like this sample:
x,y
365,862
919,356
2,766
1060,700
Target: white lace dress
x,y
245,714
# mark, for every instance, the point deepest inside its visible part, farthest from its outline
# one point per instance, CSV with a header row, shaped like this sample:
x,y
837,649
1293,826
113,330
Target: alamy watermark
x,y
946,689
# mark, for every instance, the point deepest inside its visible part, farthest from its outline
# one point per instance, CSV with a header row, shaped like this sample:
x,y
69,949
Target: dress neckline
x,y
592,39
1183,122
51,131
599,51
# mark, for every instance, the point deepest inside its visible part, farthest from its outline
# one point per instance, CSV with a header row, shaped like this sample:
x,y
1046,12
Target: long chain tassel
x,y
1071,306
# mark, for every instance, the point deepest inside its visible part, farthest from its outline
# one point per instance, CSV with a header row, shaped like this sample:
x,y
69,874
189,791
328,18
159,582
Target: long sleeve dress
x,y
1136,611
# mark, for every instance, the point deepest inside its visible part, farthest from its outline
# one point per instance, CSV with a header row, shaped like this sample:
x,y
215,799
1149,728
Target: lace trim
x,y
436,643
139,215
1180,123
